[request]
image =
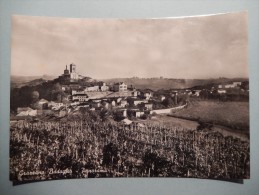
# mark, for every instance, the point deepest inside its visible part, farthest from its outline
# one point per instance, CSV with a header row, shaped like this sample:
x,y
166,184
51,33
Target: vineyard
x,y
85,147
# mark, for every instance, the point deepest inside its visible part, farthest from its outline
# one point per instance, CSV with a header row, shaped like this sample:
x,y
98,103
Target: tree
x,y
50,161
57,87
155,164
176,99
144,116
35,100
110,154
131,103
204,94
35,96
57,93
149,160
245,85
83,111
118,116
168,102
95,115
104,114
158,105
183,99
65,162
141,106
130,114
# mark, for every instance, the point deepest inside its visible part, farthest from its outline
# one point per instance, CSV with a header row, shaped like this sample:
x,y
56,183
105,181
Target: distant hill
x,y
20,81
166,83
139,83
35,82
16,78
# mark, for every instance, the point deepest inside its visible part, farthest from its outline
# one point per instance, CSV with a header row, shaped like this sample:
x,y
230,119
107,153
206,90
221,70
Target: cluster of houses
x,y
231,85
117,96
135,102
100,86
44,107
80,99
138,102
82,95
222,89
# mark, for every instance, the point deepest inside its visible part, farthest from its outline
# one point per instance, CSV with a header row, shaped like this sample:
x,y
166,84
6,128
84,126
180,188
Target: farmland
x,y
230,114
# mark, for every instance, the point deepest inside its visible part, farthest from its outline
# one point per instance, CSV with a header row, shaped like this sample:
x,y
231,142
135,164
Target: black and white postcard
x,y
95,98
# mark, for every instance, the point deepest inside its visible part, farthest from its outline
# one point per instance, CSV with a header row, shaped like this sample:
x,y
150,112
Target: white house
x,y
147,94
119,100
236,84
138,113
22,109
123,103
162,98
75,92
80,97
149,106
113,103
135,93
55,104
121,86
229,86
221,91
92,88
104,87
28,113
197,93
233,85
43,101
96,104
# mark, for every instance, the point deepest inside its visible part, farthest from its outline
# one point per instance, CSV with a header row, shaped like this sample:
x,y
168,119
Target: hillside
x,y
229,114
20,81
166,83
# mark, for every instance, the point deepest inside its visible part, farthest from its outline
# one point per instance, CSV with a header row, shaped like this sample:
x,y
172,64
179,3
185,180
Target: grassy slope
x,y
230,114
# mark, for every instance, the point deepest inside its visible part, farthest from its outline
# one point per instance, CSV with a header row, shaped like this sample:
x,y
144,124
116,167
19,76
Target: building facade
x,y
121,86
69,75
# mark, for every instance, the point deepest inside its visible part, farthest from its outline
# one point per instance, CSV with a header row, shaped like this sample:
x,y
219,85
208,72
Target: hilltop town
x,y
71,92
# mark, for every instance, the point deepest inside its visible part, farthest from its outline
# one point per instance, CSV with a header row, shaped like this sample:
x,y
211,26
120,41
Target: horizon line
x,y
158,77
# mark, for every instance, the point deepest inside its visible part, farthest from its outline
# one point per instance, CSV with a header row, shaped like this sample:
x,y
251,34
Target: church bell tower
x,y
73,74
72,68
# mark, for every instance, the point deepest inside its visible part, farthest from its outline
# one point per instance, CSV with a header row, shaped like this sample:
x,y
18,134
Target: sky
x,y
190,47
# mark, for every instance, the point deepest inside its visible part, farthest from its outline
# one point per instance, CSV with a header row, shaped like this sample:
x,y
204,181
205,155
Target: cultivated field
x,y
230,114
